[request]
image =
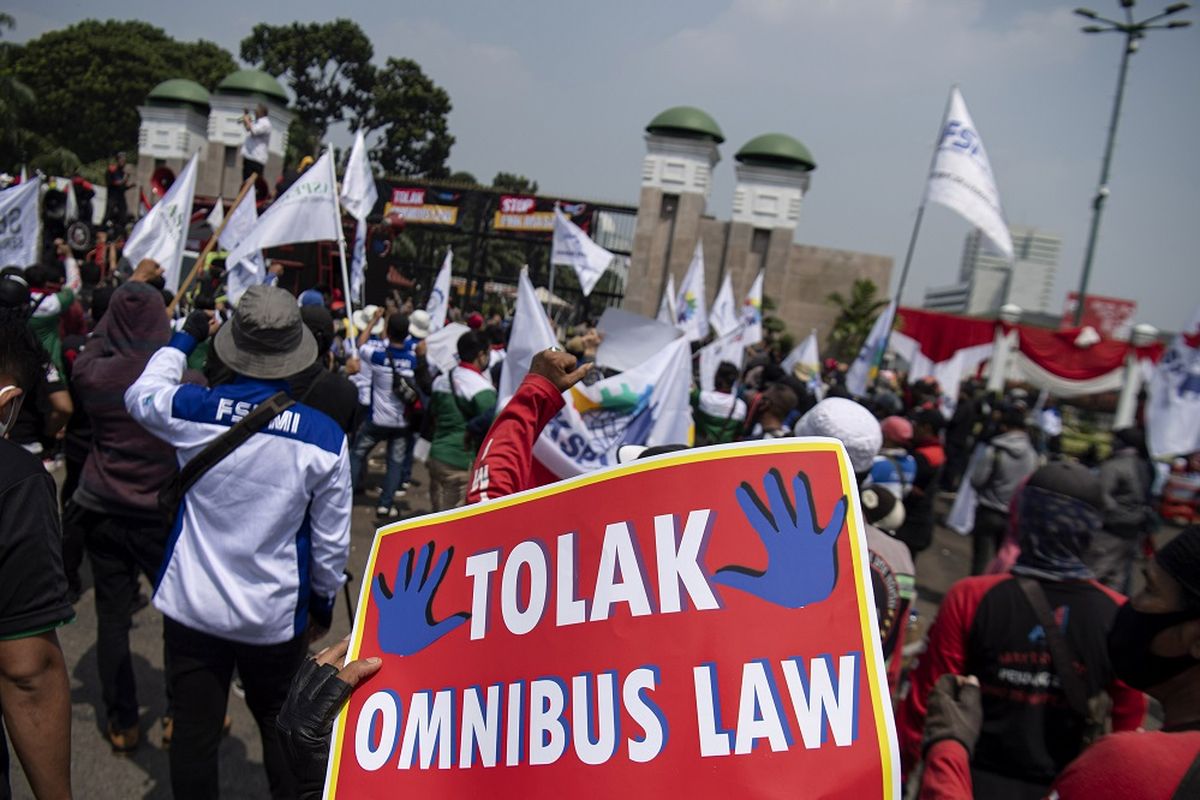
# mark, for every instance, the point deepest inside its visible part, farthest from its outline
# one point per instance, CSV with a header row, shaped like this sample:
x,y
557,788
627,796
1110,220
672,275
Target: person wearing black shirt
x,y
35,694
117,212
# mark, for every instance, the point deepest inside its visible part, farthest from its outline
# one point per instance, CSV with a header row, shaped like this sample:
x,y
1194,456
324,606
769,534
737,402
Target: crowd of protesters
x,y
1030,660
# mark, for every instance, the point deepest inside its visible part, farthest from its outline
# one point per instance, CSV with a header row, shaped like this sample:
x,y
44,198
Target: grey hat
x,y
266,337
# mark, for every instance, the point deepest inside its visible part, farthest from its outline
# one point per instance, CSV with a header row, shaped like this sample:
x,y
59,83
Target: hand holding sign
x,y
801,558
406,623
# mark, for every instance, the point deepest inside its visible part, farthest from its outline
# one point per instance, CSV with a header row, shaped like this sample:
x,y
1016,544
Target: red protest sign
x,y
699,624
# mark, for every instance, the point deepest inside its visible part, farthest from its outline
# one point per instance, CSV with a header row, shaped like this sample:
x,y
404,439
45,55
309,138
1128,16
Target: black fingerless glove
x,y
305,723
196,325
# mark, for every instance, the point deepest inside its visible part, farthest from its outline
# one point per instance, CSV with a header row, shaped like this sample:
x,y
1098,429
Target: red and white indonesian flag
x,y
161,234
961,176
1173,409
946,348
439,296
691,316
573,248
22,223
248,270
306,212
723,318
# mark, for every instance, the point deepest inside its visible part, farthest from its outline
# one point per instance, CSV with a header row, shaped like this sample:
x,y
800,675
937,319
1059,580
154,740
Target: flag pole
x,y
912,240
210,244
337,204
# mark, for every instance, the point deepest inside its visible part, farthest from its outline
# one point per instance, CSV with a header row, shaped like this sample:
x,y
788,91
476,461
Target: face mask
x,y
14,407
1129,647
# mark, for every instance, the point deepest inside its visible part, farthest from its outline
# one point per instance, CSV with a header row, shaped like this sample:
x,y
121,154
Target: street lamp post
x,y
1134,32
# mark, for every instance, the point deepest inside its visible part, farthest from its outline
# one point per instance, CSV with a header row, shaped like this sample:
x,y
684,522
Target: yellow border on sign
x,y
868,625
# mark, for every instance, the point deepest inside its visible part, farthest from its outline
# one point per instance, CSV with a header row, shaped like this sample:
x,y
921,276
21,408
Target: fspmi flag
x,y
249,270
439,297
161,234
723,318
573,248
306,212
863,370
20,224
961,177
646,405
1173,408
690,312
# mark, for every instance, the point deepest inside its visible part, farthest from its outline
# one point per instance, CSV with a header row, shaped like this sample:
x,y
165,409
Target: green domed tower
x,y
773,173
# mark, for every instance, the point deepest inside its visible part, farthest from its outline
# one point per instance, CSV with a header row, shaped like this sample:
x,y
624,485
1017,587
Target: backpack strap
x,y
233,438
1060,650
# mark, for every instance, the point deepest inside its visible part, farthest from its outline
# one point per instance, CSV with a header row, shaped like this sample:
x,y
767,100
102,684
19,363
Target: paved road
x,y
98,774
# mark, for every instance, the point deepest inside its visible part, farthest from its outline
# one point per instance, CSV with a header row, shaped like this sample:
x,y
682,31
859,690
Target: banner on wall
x,y
698,624
415,205
529,214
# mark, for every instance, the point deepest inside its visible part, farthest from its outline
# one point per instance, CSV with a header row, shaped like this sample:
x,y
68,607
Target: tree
x,y
90,78
517,184
327,65
16,100
856,315
410,115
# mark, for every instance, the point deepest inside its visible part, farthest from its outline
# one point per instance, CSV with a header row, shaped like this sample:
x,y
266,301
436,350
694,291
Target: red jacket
x,y
986,628
505,463
1123,766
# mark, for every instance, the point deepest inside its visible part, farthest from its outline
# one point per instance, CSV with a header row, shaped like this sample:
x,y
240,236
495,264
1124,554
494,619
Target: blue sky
x,y
561,91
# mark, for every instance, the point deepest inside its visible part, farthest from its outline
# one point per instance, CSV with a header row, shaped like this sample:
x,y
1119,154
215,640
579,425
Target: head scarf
x,y
1057,512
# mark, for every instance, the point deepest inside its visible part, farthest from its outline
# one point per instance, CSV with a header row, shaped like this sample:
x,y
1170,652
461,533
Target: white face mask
x,y
14,408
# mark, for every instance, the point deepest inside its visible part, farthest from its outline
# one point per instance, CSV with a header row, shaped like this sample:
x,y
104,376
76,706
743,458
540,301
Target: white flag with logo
x,y
666,306
807,358
250,269
306,212
358,184
573,248
531,334
1173,406
691,316
723,318
961,177
863,370
20,224
647,405
161,234
358,198
439,296
730,347
752,312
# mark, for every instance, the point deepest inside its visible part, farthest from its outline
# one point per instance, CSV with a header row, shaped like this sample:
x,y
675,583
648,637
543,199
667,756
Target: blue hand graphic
x,y
801,558
406,623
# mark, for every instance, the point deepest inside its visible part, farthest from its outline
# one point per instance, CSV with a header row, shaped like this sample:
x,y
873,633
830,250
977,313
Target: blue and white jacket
x,y
263,535
386,410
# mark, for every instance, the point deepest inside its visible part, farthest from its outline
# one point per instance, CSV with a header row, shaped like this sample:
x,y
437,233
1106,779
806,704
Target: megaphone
x,y
161,180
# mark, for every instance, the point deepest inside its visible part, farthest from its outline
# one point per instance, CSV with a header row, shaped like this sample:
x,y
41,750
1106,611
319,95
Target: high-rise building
x,y
987,281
